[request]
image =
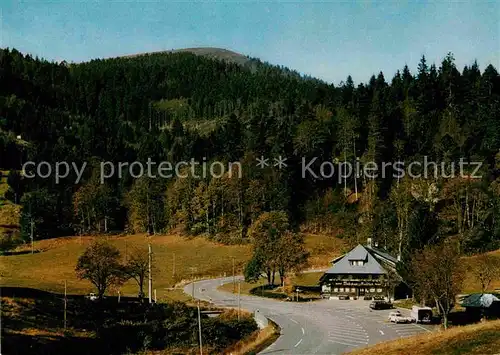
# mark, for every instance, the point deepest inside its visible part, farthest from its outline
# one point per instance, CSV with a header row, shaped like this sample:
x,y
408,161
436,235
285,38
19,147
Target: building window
x,y
335,289
379,290
372,290
341,289
353,290
357,262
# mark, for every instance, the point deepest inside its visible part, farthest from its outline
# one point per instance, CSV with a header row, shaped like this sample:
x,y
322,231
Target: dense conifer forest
x,y
180,106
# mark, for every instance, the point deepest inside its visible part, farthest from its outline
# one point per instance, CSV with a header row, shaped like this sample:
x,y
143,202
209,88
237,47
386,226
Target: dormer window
x,y
357,262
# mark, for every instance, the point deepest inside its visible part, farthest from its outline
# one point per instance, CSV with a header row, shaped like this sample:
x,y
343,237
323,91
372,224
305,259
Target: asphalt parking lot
x,y
320,327
356,325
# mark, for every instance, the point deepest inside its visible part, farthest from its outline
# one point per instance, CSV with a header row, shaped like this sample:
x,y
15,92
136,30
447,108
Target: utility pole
x,y
239,294
192,281
192,289
173,268
65,303
199,328
32,237
356,172
150,283
149,106
155,295
345,175
234,280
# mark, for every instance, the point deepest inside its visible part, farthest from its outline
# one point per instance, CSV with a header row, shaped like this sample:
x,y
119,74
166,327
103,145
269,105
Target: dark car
x,y
380,305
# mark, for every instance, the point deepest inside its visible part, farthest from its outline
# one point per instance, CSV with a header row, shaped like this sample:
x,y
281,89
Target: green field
x,y
471,283
55,263
194,257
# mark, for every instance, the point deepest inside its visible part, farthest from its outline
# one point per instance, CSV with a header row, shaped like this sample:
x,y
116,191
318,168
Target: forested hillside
x,y
180,106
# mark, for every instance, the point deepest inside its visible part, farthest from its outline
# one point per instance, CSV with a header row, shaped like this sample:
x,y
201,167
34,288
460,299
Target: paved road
x,y
320,327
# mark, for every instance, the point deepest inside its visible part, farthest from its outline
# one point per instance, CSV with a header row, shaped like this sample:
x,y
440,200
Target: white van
x,y
421,314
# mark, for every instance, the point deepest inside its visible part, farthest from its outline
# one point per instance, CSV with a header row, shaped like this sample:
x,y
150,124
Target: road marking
x,y
381,332
350,335
335,328
298,343
417,325
303,331
353,338
293,320
340,342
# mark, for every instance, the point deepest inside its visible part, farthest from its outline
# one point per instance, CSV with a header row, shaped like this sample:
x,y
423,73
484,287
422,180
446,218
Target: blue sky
x,y
326,39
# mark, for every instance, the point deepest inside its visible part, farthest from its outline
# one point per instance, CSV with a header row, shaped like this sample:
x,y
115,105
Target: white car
x,y
397,317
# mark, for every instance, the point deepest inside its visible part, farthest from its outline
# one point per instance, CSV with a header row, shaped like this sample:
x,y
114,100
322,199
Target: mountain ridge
x,y
209,52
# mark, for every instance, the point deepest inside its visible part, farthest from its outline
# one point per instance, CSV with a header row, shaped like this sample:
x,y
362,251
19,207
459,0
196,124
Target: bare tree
x,y
100,264
137,268
438,274
485,268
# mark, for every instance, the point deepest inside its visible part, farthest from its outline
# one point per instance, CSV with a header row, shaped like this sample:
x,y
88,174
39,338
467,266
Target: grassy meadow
x,y
481,338
471,283
55,260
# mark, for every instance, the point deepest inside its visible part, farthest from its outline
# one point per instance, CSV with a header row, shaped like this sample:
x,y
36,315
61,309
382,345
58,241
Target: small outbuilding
x,y
482,304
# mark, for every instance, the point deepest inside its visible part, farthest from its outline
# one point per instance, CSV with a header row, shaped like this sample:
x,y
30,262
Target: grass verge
x,y
481,338
257,341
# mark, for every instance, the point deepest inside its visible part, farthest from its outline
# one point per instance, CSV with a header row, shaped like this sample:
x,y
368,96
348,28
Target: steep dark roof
x,y
381,254
358,253
343,266
481,300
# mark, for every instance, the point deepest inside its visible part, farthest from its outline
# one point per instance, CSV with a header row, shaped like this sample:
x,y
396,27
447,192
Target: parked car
x,y
381,305
92,296
397,317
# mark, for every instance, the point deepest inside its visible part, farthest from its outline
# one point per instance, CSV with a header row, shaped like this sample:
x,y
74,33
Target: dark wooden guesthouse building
x,y
365,272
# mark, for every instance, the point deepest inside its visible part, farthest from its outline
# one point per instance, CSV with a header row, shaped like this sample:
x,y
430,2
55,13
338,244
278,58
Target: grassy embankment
x,y
257,341
481,338
32,323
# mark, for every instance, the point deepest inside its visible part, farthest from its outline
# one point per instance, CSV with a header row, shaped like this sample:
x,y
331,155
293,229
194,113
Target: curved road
x,y
320,327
